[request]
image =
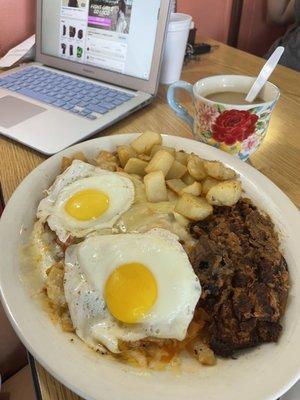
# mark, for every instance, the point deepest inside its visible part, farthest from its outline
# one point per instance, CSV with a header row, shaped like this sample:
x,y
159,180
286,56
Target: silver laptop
x,y
96,62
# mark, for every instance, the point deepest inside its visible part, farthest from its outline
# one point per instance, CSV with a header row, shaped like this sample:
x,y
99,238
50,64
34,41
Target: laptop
x,y
96,62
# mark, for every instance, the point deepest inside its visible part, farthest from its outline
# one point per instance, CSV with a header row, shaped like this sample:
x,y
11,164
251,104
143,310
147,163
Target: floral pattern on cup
x,y
235,131
233,126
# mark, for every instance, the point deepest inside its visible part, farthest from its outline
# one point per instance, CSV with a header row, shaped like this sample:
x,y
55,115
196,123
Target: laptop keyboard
x,y
69,94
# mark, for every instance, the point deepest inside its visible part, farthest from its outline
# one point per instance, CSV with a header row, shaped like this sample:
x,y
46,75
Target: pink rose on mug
x,y
237,128
234,126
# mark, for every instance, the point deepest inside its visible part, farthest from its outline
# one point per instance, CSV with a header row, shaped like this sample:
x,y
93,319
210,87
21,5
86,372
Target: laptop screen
x,y
117,35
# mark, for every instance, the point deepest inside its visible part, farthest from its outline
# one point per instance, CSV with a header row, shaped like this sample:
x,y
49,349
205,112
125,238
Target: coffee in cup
x,y
232,98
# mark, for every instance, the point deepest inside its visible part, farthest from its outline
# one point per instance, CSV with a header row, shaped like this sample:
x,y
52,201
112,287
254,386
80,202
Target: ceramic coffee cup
x,y
235,128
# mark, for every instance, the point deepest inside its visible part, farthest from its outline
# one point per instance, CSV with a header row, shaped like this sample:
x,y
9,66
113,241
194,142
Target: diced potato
x,y
164,207
124,153
135,176
176,171
158,147
176,185
192,207
181,219
188,179
202,352
67,161
182,157
135,358
207,184
172,196
135,166
217,170
145,142
194,188
54,285
107,160
144,157
161,161
196,168
225,193
155,186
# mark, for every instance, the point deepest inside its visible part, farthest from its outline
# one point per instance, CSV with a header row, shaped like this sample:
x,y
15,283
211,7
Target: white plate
x,y
263,373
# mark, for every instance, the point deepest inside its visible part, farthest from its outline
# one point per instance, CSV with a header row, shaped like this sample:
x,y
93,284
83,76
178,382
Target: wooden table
x,y
278,157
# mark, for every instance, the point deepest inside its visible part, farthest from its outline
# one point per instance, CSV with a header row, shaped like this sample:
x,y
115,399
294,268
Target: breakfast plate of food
x,y
147,264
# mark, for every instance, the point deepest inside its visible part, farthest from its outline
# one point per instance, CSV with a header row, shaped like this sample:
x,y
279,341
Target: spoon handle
x,y
264,74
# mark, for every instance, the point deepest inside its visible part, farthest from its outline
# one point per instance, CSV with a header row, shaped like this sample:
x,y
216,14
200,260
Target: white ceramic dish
x,y
262,373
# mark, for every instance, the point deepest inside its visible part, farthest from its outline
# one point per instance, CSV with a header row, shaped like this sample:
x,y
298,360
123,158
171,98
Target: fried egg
x,y
85,199
128,287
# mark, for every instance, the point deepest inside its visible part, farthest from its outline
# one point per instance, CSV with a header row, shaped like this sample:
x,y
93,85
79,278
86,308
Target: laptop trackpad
x,y
14,111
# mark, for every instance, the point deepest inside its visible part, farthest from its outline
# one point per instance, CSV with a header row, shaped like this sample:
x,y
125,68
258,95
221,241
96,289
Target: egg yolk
x,y
130,292
87,204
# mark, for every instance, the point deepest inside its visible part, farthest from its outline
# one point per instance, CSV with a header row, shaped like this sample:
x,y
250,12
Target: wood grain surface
x,y
278,157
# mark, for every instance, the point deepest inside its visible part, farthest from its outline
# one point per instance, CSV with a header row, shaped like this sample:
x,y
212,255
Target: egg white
x,y
89,264
81,176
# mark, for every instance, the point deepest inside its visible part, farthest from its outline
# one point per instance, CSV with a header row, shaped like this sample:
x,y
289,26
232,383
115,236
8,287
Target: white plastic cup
x,y
177,36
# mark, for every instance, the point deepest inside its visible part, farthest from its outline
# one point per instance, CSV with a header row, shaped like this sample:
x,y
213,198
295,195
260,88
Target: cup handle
x,y
177,107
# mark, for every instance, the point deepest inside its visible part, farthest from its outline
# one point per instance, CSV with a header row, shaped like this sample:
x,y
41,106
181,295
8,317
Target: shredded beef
x,y
244,277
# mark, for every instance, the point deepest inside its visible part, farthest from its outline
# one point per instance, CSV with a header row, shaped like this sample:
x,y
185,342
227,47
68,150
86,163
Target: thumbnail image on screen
x,y
111,15
75,3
